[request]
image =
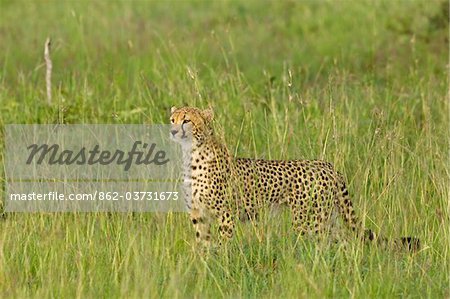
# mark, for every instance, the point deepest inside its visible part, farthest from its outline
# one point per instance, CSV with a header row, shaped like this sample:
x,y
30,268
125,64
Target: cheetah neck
x,y
207,150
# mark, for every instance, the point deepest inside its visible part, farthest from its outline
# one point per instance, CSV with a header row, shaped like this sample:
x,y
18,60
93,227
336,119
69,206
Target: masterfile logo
x,y
94,156
92,168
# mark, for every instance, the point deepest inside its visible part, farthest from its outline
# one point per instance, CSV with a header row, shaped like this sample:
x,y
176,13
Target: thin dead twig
x,y
49,66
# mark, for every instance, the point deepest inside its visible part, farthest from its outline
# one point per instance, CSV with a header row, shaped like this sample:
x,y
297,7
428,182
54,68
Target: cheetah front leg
x,y
223,215
202,226
226,226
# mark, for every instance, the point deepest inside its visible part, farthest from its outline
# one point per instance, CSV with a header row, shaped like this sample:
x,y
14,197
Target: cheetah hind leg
x,y
299,221
313,221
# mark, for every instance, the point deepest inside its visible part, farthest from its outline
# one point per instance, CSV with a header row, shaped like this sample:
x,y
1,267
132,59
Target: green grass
x,y
361,84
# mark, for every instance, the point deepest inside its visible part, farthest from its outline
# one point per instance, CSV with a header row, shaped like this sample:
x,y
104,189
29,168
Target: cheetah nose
x,y
174,132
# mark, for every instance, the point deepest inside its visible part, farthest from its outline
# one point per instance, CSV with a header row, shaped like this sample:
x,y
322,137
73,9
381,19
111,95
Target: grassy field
x,y
361,84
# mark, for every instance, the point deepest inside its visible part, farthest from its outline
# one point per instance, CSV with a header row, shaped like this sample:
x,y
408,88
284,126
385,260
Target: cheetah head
x,y
190,124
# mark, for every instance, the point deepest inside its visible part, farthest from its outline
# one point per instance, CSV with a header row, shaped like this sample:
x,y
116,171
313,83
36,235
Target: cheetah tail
x,y
347,211
410,243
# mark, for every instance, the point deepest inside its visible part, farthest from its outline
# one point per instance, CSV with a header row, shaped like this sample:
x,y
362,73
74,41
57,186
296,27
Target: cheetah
x,y
215,183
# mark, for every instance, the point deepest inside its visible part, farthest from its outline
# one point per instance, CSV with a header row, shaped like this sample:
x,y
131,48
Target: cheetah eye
x,y
172,120
186,121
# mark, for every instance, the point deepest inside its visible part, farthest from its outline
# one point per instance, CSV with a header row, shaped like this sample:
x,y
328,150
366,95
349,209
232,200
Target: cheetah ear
x,y
208,114
173,109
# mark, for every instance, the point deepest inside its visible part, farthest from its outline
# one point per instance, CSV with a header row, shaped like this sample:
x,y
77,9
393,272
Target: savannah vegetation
x,y
362,84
